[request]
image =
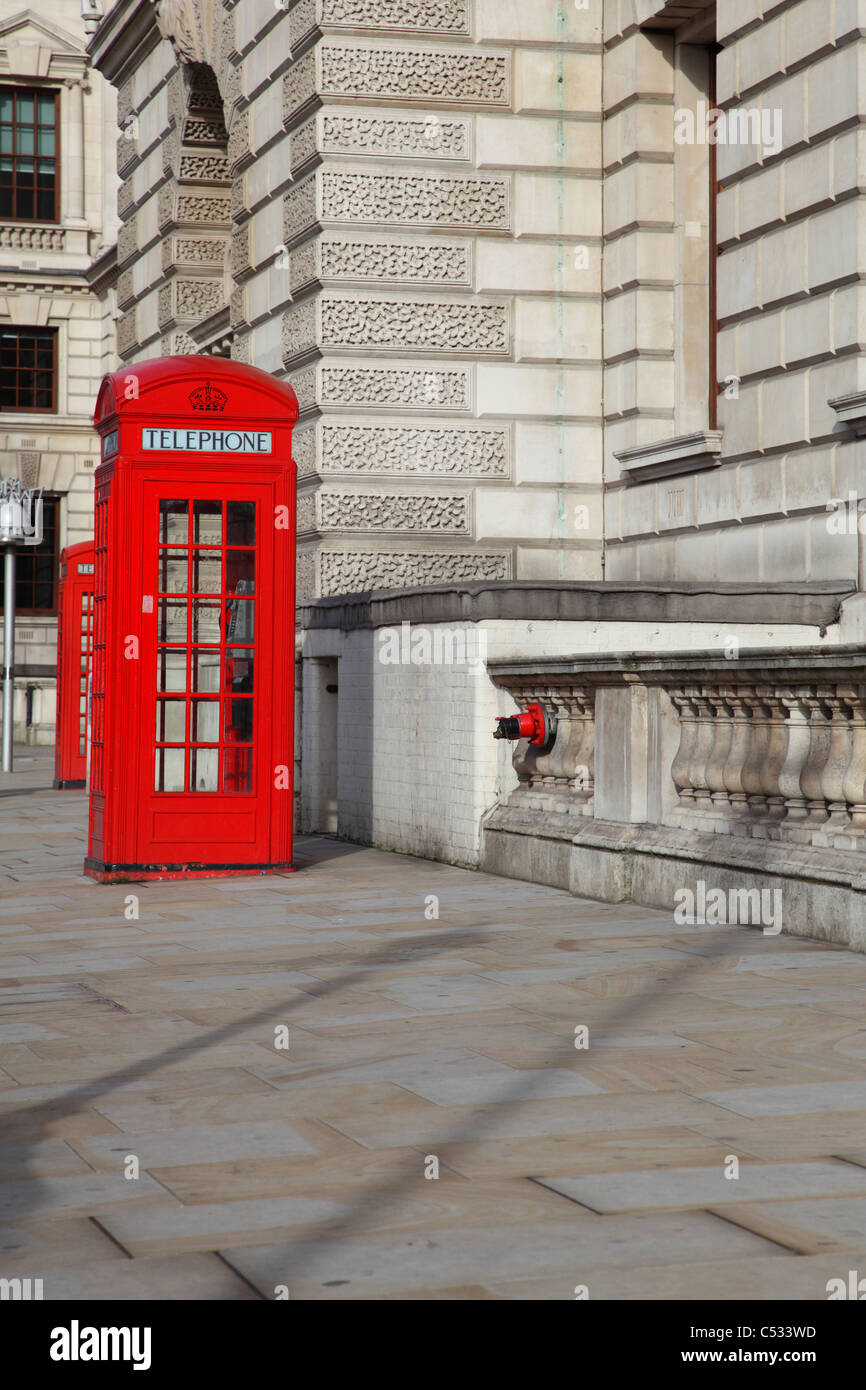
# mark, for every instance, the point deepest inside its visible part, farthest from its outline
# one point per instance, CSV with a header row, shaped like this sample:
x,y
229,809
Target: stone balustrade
x,y
773,751
559,780
778,762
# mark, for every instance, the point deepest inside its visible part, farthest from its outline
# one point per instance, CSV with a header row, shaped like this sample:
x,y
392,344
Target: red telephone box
x,y
194,616
74,647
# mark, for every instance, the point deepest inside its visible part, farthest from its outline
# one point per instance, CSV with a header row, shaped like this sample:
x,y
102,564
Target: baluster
x,y
686,710
799,743
811,778
723,729
833,777
777,752
854,782
756,760
705,737
739,751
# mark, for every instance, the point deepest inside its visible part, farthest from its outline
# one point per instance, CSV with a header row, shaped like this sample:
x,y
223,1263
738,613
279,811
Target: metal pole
x,y
8,654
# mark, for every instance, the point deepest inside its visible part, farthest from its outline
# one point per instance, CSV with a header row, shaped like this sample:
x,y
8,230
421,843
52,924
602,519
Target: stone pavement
x,y
412,1038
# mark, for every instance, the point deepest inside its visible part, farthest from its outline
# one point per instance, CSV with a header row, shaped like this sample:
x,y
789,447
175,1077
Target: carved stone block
x,y
415,325
204,168
432,450
415,262
415,199
127,242
405,16
304,146
408,74
126,333
239,152
300,90
437,513
203,208
418,388
355,571
241,252
373,133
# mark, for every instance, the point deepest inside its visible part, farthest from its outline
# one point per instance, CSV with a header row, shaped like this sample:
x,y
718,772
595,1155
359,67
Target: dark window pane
x,y
240,523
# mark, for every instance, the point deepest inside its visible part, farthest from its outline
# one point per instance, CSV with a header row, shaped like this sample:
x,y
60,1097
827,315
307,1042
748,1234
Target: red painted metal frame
x,y
237,823
74,643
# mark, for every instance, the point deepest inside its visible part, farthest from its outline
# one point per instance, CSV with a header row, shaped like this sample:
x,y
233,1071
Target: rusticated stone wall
x,y
396,205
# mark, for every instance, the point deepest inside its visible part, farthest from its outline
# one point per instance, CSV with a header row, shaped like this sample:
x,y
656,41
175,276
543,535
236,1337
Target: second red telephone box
x,y
191,726
74,644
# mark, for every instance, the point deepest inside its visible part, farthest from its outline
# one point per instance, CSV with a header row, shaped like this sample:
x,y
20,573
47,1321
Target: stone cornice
x,y
124,37
851,411
665,458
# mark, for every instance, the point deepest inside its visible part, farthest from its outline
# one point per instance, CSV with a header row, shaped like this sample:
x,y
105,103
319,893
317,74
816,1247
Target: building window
x,y
28,368
28,155
36,566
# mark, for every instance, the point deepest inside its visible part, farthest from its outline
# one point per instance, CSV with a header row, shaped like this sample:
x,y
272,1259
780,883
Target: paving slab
x,y
709,1187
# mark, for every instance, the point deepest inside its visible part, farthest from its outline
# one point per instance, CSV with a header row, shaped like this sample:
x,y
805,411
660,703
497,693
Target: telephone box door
x,y
206,673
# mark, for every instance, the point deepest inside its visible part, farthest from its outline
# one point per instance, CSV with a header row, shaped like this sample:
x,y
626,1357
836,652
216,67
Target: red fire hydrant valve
x,y
535,723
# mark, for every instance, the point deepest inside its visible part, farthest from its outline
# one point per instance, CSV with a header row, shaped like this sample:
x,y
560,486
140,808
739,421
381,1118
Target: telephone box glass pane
x,y
174,523
237,769
172,620
172,572
207,523
171,670
205,721
169,769
170,721
240,523
239,721
204,769
205,621
206,672
240,571
239,628
207,571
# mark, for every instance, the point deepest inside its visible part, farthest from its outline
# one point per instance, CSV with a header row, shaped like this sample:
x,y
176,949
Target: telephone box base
x,y
69,785
127,873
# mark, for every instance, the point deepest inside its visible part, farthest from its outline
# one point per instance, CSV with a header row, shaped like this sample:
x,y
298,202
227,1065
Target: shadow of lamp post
x,y
20,524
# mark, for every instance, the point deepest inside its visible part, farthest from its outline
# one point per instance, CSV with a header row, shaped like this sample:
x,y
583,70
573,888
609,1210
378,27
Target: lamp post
x,y
20,524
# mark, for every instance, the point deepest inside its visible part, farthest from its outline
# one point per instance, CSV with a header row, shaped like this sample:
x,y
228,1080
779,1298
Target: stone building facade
x,y
397,206
56,298
570,293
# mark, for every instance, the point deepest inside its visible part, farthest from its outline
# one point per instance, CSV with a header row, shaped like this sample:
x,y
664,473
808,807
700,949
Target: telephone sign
x,y
193,648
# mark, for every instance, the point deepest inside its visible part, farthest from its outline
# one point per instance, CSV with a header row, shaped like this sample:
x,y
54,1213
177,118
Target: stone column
x,y
72,152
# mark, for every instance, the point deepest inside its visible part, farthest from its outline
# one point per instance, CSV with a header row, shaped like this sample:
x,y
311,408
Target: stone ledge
x,y
823,891
664,458
851,411
812,605
755,665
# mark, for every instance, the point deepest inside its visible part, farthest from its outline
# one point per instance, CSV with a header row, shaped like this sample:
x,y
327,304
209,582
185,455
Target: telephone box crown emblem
x,y
208,397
